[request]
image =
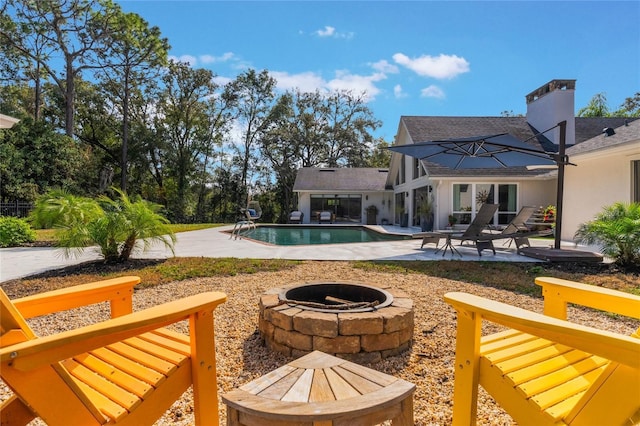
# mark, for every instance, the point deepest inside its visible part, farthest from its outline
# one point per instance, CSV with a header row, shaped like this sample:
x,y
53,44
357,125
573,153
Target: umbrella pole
x,y
561,163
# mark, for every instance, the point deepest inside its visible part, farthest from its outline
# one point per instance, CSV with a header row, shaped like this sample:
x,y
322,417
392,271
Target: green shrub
x,y
14,232
617,231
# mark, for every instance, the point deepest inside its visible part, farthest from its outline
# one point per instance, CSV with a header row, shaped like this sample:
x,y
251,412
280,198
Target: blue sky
x,y
438,58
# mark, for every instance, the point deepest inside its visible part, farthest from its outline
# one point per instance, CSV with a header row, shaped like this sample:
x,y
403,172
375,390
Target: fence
x,y
15,208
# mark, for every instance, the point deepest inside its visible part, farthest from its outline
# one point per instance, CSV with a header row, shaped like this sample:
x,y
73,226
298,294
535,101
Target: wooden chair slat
x,y
114,374
533,358
137,370
161,352
530,372
143,358
553,396
558,377
115,393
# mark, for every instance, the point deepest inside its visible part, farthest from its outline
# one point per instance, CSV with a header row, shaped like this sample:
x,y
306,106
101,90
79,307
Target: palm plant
x,y
114,225
617,230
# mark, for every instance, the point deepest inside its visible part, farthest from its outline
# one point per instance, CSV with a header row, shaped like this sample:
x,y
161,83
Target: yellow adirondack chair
x,y
125,370
545,370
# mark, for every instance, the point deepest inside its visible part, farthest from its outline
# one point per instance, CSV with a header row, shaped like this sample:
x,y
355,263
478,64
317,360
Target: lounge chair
x,y
543,369
296,216
475,230
325,217
518,230
126,370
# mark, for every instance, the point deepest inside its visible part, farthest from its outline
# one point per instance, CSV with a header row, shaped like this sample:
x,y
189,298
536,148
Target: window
x,y
345,207
403,171
468,197
418,170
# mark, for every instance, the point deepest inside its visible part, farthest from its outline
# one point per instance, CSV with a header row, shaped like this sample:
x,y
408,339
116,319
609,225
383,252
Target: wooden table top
x,y
321,386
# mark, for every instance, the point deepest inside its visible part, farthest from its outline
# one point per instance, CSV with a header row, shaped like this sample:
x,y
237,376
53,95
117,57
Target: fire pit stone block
x,y
357,336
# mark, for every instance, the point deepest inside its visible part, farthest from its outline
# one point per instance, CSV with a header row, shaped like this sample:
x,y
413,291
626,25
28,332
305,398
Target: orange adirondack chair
x,y
125,370
545,370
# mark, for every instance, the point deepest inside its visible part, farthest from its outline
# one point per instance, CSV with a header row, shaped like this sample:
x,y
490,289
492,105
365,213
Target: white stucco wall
x,y
600,179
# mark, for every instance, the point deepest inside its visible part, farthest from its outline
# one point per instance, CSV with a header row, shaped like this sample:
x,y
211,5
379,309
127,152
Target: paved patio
x,y
214,242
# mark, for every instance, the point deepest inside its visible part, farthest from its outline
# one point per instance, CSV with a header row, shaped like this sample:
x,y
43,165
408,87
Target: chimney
x,y
550,104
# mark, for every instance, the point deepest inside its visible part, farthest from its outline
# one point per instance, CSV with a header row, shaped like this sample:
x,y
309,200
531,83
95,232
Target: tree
x,y
183,124
75,30
630,107
617,230
34,158
597,107
134,57
115,225
348,126
379,156
253,96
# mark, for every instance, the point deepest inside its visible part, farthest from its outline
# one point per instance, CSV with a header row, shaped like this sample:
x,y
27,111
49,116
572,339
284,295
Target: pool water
x,y
303,235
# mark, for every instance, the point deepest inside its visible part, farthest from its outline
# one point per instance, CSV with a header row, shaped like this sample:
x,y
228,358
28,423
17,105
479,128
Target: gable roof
x,y
340,179
625,134
425,128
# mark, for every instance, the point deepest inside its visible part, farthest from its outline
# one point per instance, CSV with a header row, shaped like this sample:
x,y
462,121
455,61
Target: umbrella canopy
x,y
478,152
493,151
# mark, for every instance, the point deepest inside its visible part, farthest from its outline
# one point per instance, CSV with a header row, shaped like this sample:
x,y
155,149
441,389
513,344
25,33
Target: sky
x,y
437,58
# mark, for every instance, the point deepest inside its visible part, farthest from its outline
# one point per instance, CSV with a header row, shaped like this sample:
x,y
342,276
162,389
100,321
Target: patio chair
x,y
126,370
545,370
325,217
518,231
475,230
296,216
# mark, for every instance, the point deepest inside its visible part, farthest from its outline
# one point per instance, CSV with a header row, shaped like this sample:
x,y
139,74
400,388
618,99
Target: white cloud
x,y
384,66
209,59
357,83
432,92
310,82
329,31
191,60
398,93
306,81
221,81
440,67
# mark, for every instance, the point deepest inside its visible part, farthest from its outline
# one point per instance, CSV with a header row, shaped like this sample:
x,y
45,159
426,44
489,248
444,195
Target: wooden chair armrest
x,y
558,292
118,291
613,346
49,349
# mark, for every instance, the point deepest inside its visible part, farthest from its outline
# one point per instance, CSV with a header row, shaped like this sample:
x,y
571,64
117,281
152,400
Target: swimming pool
x,y
283,235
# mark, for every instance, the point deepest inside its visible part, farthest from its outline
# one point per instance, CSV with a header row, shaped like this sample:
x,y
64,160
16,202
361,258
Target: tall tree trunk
x,y
69,98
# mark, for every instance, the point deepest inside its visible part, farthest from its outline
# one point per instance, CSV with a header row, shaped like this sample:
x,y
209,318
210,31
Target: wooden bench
x,y
321,390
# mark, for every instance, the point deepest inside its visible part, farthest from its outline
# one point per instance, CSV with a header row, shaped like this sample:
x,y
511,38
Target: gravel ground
x,y
241,357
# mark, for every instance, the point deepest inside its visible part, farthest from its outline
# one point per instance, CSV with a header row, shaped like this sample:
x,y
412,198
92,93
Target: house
x,y
459,193
346,192
607,171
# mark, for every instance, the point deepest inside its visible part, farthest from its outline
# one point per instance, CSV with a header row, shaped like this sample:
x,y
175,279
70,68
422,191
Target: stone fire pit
x,y
350,320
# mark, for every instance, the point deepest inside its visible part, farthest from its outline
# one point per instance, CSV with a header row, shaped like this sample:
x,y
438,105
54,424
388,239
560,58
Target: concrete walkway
x,y
213,242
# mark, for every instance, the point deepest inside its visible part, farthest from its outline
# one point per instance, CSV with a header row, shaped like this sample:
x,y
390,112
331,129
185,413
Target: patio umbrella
x,y
477,152
492,151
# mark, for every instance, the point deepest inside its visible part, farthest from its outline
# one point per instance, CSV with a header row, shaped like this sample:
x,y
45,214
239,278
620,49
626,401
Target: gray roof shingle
x,y
340,179
425,128
623,134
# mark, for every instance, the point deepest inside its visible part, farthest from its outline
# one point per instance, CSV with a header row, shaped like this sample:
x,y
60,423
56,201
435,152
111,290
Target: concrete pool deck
x,y
214,242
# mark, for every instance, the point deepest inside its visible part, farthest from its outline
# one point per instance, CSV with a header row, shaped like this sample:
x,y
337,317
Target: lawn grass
x,y
47,235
